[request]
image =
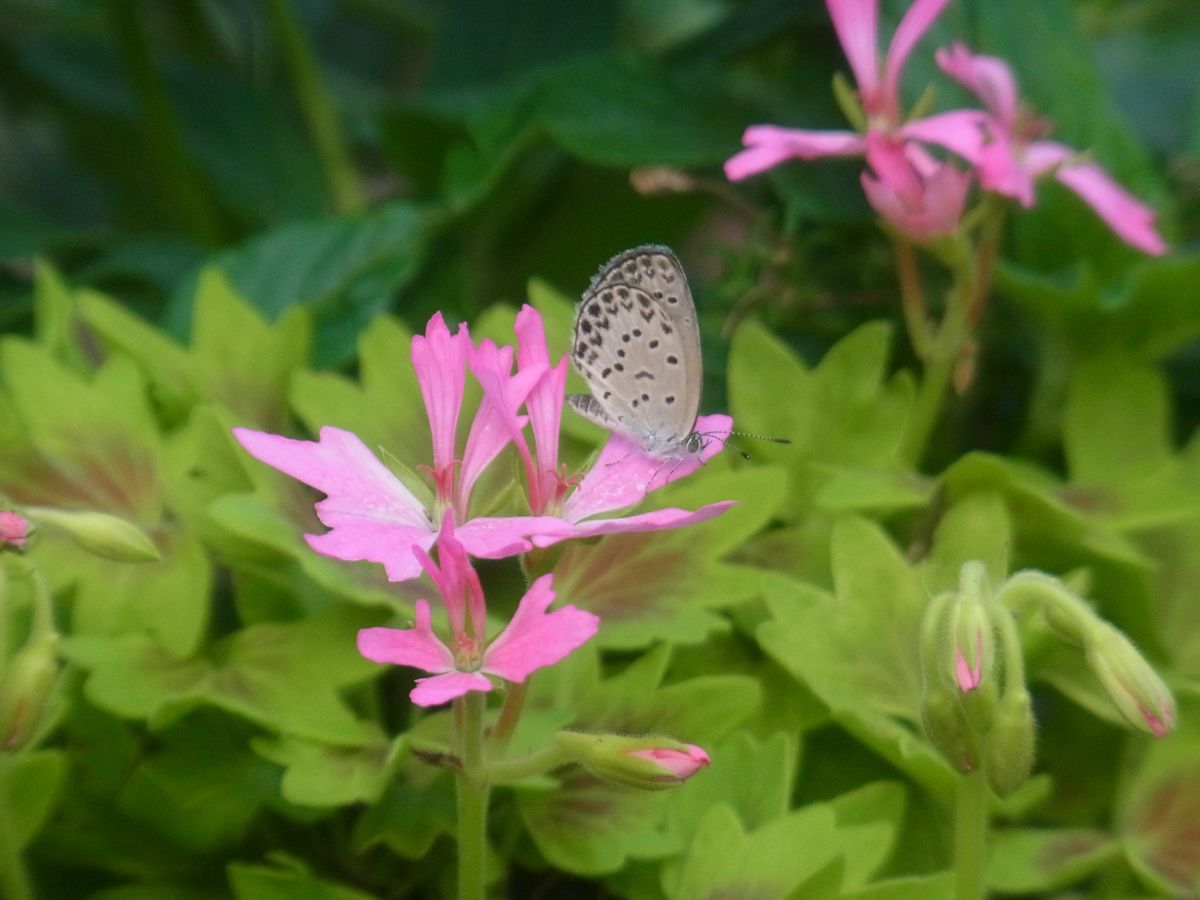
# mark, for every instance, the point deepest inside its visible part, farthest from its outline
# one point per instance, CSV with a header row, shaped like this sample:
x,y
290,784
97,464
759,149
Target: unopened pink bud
x,y
14,529
652,763
1141,696
677,765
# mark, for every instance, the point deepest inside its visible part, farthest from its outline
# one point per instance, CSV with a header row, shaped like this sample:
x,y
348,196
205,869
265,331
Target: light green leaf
x,y
285,677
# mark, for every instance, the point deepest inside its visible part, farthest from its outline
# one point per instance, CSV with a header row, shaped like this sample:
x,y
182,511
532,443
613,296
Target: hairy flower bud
x,y
101,534
25,689
650,763
1140,695
1010,746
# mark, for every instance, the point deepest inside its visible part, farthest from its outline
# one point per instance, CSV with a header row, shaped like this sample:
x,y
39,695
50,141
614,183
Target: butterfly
x,y
637,345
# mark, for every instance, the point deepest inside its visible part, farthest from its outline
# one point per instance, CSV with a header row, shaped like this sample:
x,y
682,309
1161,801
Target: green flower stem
x,y
970,835
316,105
179,182
472,796
912,298
536,763
1071,617
510,714
14,879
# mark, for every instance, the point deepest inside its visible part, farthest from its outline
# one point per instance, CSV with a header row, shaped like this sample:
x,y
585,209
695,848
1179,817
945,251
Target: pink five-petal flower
x,y
918,195
856,24
1008,160
533,639
370,513
623,475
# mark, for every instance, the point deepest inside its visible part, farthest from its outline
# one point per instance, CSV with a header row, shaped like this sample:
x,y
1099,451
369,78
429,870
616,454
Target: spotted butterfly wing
x,y
637,344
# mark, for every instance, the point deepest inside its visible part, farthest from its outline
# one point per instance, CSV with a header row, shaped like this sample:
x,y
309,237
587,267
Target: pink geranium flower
x,y
856,24
620,477
369,511
918,195
1008,159
533,639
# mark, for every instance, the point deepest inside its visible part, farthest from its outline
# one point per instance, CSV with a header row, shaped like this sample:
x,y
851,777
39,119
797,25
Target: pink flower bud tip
x,y
969,676
677,765
14,529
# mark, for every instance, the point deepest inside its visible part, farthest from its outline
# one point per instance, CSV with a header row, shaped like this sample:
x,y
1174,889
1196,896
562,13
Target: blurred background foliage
x,y
360,155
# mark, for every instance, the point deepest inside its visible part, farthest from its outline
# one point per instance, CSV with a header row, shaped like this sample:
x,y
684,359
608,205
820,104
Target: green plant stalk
x,y
510,714
970,835
538,762
472,796
188,198
14,879
316,105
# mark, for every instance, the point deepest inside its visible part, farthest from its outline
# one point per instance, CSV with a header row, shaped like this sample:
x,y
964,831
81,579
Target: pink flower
x,y
623,474
969,675
370,513
14,529
676,765
1008,159
532,640
856,24
918,195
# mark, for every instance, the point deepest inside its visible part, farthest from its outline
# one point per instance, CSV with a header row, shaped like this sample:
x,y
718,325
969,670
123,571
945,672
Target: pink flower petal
x,y
656,520
496,422
418,646
534,638
456,581
440,362
856,24
443,688
769,145
1130,219
372,515
988,77
497,538
961,131
623,474
912,27
914,192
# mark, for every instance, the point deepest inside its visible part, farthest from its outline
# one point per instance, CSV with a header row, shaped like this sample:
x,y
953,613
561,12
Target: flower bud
x,y
650,763
1010,745
971,630
945,724
101,534
25,690
14,530
1140,695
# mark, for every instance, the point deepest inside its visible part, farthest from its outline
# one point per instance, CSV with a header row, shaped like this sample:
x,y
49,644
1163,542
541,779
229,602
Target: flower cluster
x,y
916,192
372,515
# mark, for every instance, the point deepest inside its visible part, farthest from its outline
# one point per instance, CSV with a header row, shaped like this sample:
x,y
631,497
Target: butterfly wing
x,y
637,344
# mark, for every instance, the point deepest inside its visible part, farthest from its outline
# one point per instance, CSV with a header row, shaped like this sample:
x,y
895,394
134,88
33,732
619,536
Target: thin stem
x,y
14,878
472,796
316,105
970,835
510,714
912,298
186,196
538,762
927,408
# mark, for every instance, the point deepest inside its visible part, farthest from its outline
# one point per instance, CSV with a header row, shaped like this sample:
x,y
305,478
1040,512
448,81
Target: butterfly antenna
x,y
762,437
